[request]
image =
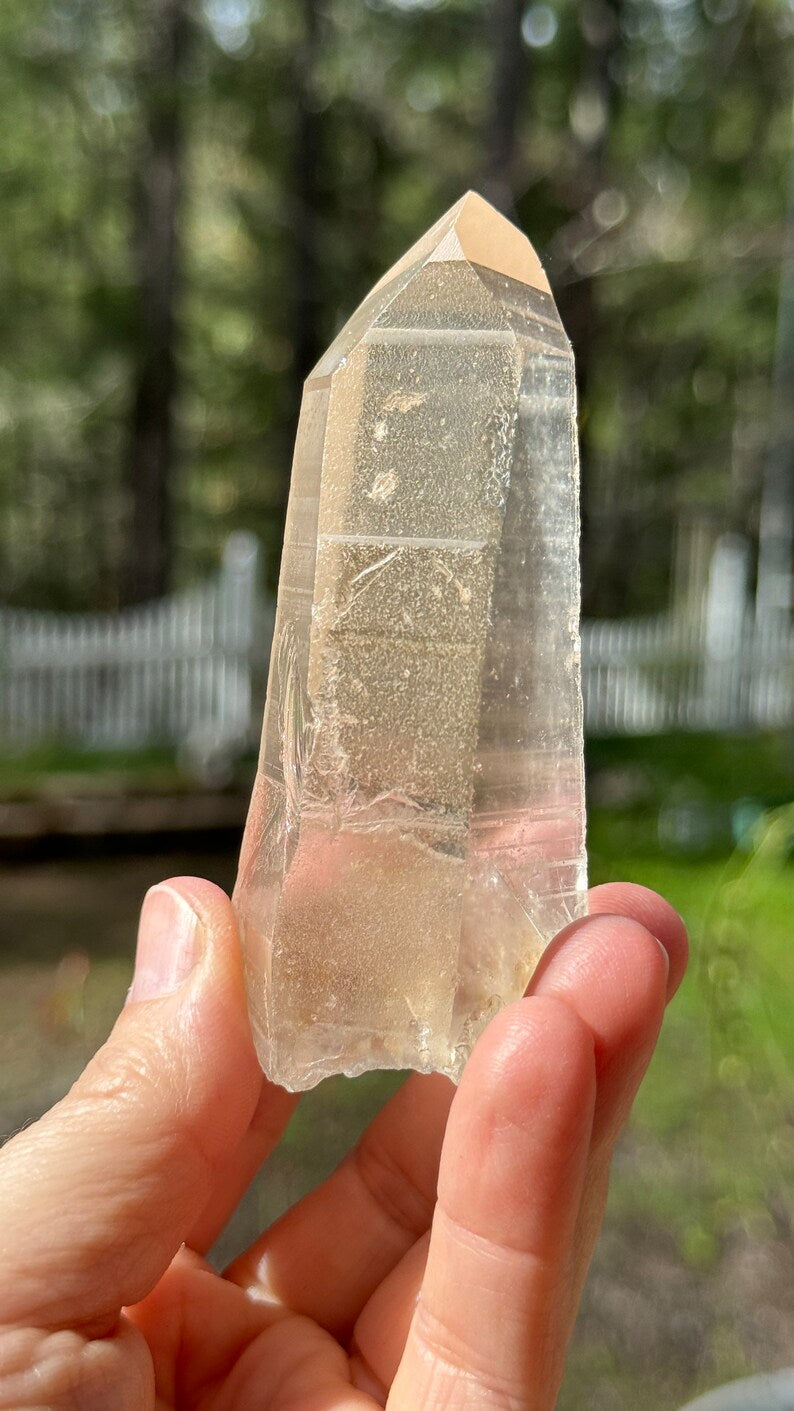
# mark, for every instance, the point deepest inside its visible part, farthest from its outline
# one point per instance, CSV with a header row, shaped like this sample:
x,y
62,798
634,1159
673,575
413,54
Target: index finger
x,y
639,903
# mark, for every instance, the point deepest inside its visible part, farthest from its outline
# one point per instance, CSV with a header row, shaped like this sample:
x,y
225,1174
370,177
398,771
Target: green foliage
x,y
649,168
721,768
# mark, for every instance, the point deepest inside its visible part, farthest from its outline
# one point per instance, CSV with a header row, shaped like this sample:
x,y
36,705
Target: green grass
x,y
28,773
701,1190
720,1085
720,1082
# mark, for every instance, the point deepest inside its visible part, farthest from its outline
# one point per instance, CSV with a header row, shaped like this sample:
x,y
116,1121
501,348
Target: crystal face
x,y
416,831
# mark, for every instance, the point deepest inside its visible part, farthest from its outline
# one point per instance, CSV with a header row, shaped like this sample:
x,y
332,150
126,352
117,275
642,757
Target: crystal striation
x,y
416,831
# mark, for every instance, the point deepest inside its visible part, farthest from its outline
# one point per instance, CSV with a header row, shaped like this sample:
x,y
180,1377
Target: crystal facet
x,y
416,832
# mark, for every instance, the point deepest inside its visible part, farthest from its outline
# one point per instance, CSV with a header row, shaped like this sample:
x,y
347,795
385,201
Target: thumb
x,y
97,1197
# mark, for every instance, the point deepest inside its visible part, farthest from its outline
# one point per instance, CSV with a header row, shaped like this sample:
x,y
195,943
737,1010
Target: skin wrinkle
x,y
67,1371
506,1124
443,1358
272,1373
390,1185
485,1247
115,1228
36,1301
122,1086
445,1353
137,1084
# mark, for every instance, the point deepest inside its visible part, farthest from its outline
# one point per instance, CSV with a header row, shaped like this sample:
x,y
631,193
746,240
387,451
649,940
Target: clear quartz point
x,y
416,831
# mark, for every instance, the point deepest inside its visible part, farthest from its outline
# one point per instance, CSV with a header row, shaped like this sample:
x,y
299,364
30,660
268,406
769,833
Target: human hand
x,y
453,1288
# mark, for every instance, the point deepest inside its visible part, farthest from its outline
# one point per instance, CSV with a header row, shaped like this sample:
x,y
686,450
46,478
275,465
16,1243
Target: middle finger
x,y
326,1256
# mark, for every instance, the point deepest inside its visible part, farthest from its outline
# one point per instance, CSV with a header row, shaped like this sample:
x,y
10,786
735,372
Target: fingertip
x,y
613,971
534,1064
217,923
208,1027
638,903
209,901
522,1047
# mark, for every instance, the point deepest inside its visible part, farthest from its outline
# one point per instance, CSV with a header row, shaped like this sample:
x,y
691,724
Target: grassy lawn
x,y
691,1285
45,768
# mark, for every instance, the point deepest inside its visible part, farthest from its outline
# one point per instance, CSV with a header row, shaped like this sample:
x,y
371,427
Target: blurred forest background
x,y
195,194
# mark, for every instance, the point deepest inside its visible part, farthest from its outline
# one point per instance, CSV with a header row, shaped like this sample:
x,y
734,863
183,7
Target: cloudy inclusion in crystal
x,y
416,831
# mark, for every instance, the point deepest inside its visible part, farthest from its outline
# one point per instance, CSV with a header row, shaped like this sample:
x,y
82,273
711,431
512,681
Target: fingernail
x,y
168,944
665,953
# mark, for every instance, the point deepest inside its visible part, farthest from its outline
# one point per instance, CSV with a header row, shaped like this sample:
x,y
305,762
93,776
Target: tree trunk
x,y
601,38
776,529
157,184
306,202
510,73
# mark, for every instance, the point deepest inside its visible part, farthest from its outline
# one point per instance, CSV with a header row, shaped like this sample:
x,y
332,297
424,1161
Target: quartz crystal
x,y
416,832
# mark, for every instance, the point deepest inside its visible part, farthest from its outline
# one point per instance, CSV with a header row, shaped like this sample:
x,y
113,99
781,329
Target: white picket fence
x,y
649,675
190,669
712,666
174,671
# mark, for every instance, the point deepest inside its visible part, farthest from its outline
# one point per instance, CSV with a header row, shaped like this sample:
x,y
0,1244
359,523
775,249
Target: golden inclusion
x,y
416,831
